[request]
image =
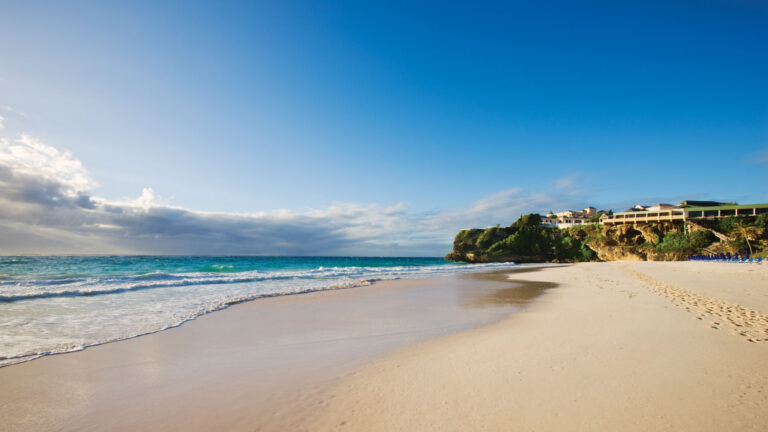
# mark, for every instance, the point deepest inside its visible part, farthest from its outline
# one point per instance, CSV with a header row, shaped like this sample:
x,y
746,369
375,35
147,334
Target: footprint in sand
x,y
745,322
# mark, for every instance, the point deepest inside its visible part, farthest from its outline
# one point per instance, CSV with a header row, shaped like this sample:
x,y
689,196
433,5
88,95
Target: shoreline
x,y
246,363
630,346
74,344
607,350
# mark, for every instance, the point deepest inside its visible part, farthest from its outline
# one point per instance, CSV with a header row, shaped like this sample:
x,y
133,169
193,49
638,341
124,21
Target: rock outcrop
x,y
527,241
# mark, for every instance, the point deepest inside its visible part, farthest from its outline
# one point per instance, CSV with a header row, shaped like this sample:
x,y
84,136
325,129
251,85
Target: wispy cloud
x,y
503,207
760,157
10,115
571,185
565,182
46,207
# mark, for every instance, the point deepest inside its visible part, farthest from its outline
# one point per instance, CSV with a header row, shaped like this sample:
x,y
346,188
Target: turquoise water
x,y
63,267
57,304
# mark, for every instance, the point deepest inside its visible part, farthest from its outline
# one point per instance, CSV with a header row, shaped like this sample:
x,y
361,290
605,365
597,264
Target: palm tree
x,y
748,232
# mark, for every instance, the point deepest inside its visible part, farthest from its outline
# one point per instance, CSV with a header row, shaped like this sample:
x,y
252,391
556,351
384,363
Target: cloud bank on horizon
x,y
46,207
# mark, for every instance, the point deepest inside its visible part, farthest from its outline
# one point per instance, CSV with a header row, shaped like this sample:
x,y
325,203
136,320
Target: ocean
x,y
56,304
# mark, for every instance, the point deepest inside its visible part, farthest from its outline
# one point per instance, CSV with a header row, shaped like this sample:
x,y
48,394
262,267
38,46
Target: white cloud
x,y
2,124
146,199
28,156
46,207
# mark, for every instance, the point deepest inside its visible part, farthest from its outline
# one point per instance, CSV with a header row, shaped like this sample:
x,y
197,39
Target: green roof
x,y
727,207
690,209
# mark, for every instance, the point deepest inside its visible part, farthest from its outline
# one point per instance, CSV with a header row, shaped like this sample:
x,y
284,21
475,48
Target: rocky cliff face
x,y
530,242
523,241
631,243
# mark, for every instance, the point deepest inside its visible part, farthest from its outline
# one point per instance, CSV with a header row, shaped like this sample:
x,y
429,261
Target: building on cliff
x,y
686,210
569,218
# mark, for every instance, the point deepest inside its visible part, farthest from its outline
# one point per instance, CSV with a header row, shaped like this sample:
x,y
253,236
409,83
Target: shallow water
x,y
260,365
60,304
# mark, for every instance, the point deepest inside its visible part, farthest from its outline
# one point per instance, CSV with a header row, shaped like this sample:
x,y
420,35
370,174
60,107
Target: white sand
x,y
614,347
617,347
253,366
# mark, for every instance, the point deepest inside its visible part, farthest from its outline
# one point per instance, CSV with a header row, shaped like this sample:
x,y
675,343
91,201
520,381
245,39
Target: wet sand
x,y
262,365
618,346
612,346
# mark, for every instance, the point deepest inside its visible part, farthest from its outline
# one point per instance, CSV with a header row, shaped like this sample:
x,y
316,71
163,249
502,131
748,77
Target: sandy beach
x,y
268,216
617,346
256,365
595,346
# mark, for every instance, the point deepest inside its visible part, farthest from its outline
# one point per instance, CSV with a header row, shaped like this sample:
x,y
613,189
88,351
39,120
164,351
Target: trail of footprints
x,y
746,322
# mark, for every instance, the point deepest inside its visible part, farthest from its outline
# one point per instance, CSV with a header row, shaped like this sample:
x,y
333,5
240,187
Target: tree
x,y
530,220
747,232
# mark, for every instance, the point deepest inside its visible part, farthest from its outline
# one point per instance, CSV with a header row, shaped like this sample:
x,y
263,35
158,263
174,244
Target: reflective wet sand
x,y
617,346
251,366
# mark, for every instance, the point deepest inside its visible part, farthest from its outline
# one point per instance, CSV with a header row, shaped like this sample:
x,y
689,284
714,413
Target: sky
x,y
365,128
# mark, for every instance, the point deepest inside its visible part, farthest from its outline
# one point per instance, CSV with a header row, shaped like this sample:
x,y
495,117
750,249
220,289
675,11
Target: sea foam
x,y
44,312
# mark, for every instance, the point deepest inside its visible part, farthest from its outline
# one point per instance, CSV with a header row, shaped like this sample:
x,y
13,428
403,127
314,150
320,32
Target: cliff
x,y
527,241
523,241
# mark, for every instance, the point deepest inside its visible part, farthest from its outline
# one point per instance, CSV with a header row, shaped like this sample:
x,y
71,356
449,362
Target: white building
x,y
568,218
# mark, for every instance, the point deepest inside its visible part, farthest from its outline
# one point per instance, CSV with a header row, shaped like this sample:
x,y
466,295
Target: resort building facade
x,y
569,218
687,210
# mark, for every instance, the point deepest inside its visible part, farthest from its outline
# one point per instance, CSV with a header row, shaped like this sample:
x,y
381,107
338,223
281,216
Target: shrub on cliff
x,y
529,220
525,240
761,221
490,236
528,241
685,243
465,241
731,225
727,225
701,239
572,249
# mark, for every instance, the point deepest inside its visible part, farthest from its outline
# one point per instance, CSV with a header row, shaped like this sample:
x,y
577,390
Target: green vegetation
x,y
686,244
746,233
523,241
526,240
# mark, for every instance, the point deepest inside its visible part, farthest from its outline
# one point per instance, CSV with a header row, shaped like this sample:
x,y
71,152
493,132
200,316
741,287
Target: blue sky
x,y
443,114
